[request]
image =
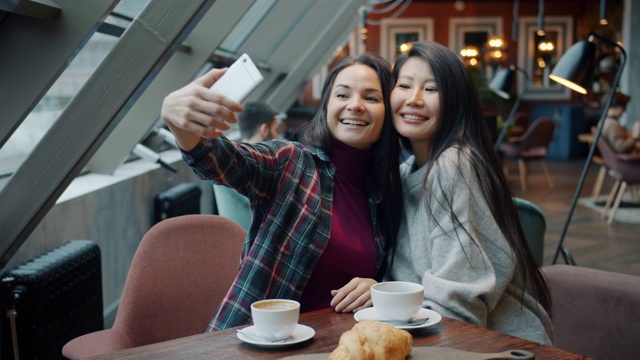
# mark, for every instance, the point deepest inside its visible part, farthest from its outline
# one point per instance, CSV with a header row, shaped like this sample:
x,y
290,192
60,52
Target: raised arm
x,y
195,111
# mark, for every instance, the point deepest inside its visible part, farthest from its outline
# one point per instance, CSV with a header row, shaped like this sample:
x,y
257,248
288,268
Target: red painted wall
x,y
585,13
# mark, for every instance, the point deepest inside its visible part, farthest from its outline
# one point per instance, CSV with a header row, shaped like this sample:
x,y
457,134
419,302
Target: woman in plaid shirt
x,y
325,210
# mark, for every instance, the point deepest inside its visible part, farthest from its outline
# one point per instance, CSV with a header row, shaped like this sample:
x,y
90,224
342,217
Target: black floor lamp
x,y
501,84
575,70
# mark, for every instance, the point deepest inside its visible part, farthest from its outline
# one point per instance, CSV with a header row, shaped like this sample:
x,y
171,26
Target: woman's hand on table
x,y
354,296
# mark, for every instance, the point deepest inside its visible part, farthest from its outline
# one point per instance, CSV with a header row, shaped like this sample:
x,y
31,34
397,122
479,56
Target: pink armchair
x,y
181,271
532,145
625,170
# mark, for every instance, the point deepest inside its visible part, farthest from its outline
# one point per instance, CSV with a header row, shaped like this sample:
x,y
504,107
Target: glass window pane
x,y
545,55
246,25
45,113
130,8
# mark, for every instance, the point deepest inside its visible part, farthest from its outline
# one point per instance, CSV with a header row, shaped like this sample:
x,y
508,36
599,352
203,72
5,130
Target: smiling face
x,y
355,110
415,103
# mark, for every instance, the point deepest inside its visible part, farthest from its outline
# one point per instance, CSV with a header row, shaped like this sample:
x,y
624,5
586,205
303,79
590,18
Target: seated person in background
x,y
635,130
257,122
620,139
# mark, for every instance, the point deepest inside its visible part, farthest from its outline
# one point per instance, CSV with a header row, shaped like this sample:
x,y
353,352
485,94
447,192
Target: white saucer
x,y
300,333
371,314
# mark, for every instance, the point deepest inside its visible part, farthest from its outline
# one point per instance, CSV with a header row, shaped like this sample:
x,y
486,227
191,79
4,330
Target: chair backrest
x,y
606,151
534,226
595,312
626,167
232,205
521,119
539,133
181,271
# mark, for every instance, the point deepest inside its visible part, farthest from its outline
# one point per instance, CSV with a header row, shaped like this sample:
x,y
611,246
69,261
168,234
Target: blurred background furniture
x,y
181,271
532,145
50,300
569,122
181,199
588,138
595,312
519,125
534,225
232,205
625,169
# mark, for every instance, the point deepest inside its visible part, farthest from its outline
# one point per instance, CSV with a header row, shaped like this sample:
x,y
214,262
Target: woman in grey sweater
x,y
460,235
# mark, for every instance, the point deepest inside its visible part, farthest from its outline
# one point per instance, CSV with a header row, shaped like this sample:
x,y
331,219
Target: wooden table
x,y
329,326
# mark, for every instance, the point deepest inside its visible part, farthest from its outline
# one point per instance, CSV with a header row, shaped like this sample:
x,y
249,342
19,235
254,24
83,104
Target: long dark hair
x,y
461,125
383,166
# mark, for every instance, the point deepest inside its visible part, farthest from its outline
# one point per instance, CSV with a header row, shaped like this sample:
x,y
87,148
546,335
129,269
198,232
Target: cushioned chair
x,y
602,172
519,124
625,170
532,145
598,160
180,273
594,312
534,225
232,205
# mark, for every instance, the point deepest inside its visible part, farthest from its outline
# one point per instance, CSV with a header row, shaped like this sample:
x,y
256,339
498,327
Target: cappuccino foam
x,y
274,305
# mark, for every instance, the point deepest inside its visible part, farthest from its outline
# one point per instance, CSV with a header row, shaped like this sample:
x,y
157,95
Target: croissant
x,y
373,340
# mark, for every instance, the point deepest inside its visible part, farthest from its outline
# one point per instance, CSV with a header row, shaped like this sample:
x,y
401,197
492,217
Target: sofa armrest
x,y
594,312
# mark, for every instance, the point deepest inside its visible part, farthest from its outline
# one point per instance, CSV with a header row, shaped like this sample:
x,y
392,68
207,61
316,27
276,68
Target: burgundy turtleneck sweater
x,y
351,251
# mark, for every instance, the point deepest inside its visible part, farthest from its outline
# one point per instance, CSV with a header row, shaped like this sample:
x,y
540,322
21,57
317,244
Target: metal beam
x,y
318,41
92,115
39,9
180,69
39,51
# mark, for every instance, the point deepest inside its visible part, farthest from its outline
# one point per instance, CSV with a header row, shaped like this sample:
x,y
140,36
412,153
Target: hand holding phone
x,y
241,78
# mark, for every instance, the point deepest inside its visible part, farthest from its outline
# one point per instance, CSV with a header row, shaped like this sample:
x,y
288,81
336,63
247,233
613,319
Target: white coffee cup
x,y
397,300
275,319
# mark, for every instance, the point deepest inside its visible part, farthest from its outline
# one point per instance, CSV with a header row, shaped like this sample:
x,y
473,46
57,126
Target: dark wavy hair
x,y
461,125
383,166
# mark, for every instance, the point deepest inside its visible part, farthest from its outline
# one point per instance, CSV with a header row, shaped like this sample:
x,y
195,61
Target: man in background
x,y
257,122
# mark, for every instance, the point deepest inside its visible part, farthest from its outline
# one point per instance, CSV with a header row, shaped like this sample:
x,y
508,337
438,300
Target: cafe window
x,y
475,31
396,34
537,55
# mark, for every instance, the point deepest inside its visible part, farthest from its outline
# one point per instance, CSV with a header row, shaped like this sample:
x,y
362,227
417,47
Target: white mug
x,y
275,319
397,300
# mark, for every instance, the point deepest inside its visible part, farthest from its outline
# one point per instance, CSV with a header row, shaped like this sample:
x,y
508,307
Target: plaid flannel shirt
x,y
290,188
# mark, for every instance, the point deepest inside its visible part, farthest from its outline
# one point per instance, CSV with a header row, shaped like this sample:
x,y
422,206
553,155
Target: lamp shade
x,y
575,68
502,82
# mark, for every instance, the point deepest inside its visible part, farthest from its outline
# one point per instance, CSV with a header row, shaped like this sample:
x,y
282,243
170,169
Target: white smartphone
x,y
241,78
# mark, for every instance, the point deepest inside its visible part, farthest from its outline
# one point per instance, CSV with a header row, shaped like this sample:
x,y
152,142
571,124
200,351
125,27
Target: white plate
x,y
371,314
300,333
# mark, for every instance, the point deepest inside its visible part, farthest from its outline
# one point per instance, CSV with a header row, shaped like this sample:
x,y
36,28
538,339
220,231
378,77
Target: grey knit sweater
x,y
474,282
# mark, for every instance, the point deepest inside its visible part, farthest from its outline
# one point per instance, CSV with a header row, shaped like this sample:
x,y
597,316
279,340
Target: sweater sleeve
x,y
617,136
470,261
